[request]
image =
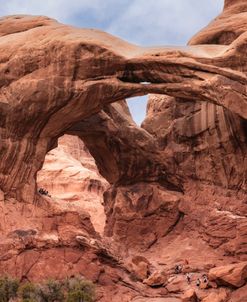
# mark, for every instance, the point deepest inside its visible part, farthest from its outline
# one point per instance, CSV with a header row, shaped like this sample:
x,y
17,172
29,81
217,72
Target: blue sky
x,y
143,22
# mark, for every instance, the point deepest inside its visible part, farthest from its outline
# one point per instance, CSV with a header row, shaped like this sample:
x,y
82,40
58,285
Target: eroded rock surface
x,y
69,174
140,214
177,185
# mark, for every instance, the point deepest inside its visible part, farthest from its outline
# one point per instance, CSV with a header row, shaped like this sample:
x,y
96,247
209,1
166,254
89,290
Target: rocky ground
x,y
156,213
150,231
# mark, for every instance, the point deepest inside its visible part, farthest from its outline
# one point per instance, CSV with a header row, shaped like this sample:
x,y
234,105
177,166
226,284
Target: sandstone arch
x,y
54,76
195,131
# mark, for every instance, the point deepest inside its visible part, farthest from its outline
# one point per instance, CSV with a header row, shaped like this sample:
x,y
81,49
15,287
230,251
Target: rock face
x,y
69,174
140,214
192,130
175,189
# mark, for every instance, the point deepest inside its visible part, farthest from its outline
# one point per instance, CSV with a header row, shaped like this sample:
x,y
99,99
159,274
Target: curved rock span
x,y
176,186
53,76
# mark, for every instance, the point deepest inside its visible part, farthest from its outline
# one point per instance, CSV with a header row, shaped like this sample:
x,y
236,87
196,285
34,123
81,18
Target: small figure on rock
x,y
188,278
43,192
205,282
204,278
178,269
198,282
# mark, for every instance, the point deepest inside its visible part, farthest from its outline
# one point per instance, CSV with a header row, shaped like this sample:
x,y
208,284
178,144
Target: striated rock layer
x,y
177,184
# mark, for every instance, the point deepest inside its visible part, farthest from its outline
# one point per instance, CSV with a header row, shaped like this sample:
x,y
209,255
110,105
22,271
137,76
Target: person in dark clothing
x,y
43,192
40,191
178,269
188,278
205,278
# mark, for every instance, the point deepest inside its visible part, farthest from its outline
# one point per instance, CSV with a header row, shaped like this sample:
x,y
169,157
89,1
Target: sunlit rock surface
x,y
69,174
174,193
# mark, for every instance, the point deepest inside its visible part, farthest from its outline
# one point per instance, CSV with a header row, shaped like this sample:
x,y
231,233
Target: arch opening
x,y
138,108
71,178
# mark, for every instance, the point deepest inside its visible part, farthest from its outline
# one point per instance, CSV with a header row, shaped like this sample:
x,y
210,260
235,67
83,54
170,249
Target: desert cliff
x,y
143,212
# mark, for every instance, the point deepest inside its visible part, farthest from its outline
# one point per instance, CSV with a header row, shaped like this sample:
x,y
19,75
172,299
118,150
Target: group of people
x,y
43,192
200,282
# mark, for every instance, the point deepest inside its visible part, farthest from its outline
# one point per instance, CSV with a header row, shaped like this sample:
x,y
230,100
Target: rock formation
x,y
69,174
176,202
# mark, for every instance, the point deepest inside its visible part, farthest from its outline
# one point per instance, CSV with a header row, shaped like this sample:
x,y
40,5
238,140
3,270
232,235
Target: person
x,y
205,278
198,282
188,278
178,269
205,282
43,192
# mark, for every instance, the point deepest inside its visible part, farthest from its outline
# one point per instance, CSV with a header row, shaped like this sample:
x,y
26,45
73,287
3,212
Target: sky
x,y
143,22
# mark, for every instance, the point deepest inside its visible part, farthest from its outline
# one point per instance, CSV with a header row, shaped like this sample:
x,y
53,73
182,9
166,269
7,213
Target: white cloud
x,y
62,10
139,21
164,21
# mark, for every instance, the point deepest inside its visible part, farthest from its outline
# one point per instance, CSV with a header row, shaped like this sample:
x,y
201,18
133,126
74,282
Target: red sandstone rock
x,y
156,300
69,174
156,279
140,214
239,295
106,79
220,296
190,296
178,184
139,266
177,284
233,274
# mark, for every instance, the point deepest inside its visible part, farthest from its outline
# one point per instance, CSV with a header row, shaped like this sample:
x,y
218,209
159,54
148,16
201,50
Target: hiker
x,y
205,278
178,269
198,282
188,278
43,192
205,282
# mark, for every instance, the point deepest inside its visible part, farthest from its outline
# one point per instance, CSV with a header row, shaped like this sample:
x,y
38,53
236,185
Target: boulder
x,y
219,296
158,278
239,295
190,296
139,266
234,275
